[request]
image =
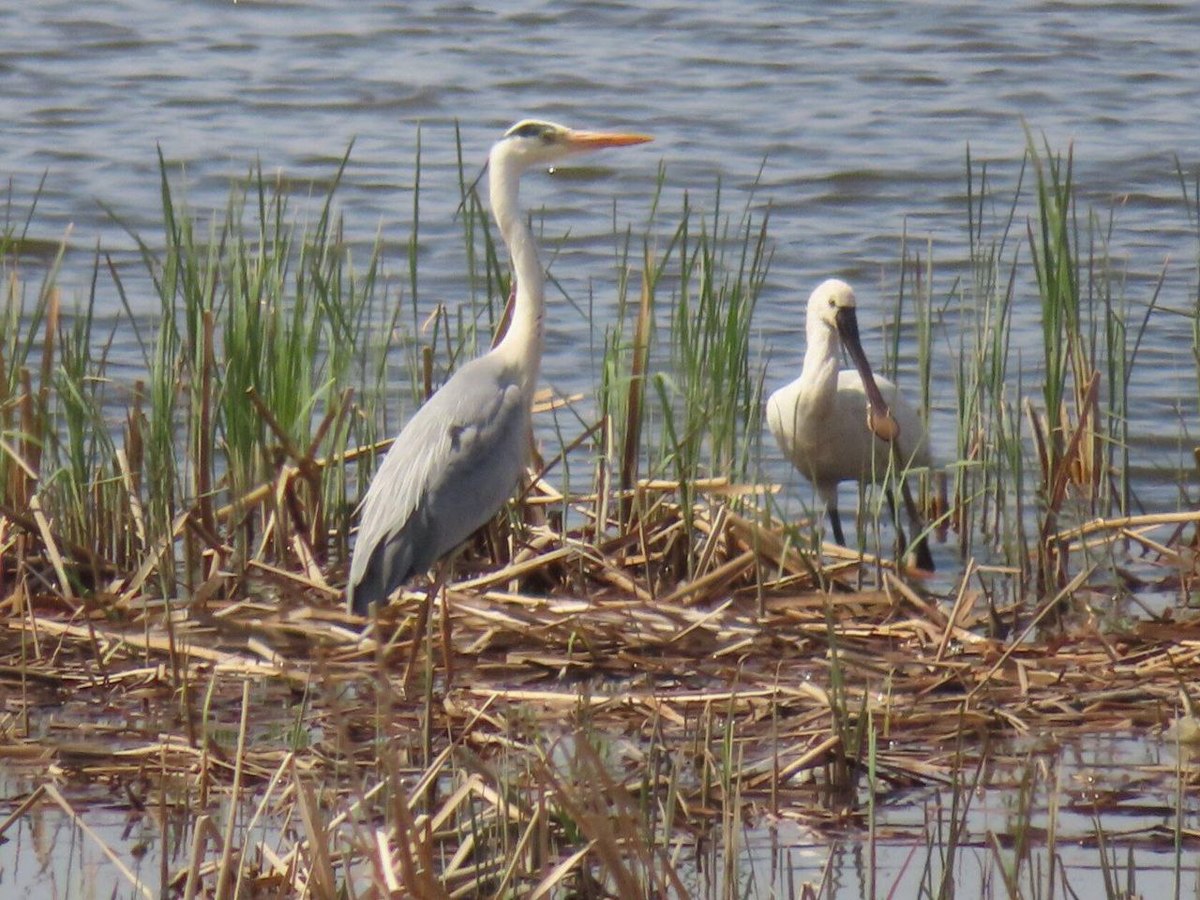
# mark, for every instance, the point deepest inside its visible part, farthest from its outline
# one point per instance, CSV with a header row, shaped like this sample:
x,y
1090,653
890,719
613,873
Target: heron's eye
x,y
832,303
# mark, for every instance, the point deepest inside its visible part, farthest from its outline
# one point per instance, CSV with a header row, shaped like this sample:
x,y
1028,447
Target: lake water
x,y
858,119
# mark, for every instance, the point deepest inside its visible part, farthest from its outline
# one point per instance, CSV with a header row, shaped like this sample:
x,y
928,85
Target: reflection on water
x,y
1103,801
1056,803
48,855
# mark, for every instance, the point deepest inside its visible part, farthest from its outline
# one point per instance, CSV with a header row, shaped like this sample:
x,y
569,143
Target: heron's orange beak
x,y
596,140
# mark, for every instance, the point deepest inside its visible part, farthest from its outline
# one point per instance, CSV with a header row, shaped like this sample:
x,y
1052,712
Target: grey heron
x,y
838,425
461,455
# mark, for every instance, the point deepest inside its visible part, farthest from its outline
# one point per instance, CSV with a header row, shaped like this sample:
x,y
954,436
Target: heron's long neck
x,y
522,343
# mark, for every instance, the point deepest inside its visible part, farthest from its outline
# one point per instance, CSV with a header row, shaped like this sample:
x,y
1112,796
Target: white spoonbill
x,y
838,425
461,455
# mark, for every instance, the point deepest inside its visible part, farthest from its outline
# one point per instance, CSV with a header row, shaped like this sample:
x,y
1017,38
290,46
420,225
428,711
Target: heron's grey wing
x,y
452,467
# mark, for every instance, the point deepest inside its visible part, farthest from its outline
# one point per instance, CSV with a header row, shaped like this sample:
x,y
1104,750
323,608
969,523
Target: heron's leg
x,y
421,625
835,522
445,576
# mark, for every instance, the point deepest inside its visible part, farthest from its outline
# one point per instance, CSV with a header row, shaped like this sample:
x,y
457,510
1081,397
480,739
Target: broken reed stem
x,y
50,791
264,490
224,878
201,831
33,799
286,766
1048,605
1120,523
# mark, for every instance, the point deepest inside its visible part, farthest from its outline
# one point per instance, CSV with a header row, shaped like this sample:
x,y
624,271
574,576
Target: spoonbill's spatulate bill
x,y
838,425
461,455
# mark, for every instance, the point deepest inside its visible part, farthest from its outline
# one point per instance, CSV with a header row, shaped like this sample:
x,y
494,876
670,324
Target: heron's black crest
x,y
531,129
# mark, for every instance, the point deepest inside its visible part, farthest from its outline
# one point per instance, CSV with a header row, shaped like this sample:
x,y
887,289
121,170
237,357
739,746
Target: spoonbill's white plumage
x,y
837,424
461,455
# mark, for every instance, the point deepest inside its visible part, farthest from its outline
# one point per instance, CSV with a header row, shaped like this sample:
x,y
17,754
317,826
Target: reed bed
x,y
571,723
623,689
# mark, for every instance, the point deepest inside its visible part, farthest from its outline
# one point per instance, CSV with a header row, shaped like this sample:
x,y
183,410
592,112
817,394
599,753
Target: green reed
x,y
259,321
246,366
621,387
988,467
28,330
1025,463
915,290
489,281
1091,340
912,322
719,278
680,386
84,472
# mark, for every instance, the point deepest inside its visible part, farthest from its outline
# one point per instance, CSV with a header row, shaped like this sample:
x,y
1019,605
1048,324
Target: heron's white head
x,y
532,142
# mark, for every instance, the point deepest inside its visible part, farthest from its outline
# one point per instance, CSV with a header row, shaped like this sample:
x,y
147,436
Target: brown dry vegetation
x,y
580,719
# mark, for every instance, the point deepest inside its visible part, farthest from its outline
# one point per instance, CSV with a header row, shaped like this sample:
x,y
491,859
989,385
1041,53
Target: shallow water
x,y
1124,787
1104,783
854,124
46,854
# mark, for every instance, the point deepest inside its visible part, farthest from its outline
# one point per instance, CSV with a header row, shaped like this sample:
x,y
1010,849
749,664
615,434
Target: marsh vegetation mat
x,y
567,721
